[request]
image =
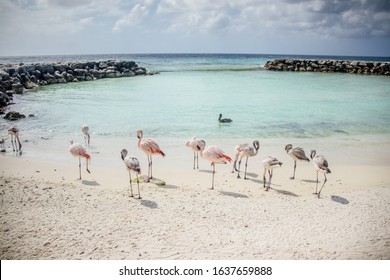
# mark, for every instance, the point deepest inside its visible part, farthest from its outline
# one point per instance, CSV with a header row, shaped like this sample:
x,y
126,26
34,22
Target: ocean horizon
x,y
12,59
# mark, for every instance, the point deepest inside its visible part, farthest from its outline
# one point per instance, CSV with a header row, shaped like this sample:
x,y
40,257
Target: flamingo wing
x,y
78,150
132,163
322,163
299,153
216,155
151,147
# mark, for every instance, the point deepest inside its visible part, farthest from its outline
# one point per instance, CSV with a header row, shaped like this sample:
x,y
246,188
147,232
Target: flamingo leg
x,y
80,167
212,184
194,159
149,164
295,166
316,184
322,185
270,172
234,164
246,165
86,160
139,193
197,160
239,168
12,142
131,185
264,179
151,167
20,144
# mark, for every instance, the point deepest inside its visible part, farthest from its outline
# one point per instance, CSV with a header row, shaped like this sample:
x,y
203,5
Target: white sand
x,y
46,213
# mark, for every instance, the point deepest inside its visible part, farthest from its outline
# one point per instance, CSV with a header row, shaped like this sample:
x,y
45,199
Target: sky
x,y
312,27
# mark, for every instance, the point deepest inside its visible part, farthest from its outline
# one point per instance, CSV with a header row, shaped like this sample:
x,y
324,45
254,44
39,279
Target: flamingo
x,y
297,154
213,154
150,147
87,137
269,164
321,165
193,144
132,164
225,120
14,132
79,151
245,150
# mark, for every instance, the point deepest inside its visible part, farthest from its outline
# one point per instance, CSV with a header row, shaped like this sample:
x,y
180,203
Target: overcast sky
x,y
316,27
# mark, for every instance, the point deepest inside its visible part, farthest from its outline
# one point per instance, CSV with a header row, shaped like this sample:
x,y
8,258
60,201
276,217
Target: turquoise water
x,y
185,99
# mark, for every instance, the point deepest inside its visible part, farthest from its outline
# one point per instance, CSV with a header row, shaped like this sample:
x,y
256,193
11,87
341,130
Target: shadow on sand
x,y
150,204
90,183
169,187
205,170
339,199
310,181
248,174
285,192
233,194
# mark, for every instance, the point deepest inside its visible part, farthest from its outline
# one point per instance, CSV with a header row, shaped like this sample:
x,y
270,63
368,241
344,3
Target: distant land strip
x,y
341,66
17,78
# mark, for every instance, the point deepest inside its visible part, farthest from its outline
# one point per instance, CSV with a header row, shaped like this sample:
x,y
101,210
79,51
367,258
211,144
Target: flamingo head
x,y
288,147
123,154
201,145
312,153
139,134
256,144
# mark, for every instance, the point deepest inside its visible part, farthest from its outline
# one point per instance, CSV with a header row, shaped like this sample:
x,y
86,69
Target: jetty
x,y
329,66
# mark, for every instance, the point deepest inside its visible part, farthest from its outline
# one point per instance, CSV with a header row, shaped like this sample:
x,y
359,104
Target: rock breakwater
x,y
342,66
17,78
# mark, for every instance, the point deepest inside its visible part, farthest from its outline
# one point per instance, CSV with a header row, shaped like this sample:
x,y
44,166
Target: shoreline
x,y
46,213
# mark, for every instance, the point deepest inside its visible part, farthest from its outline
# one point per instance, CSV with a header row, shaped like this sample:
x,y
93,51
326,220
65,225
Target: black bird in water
x,y
224,120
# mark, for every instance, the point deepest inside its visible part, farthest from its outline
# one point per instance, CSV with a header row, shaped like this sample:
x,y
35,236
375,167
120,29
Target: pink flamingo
x,y
245,150
296,154
14,132
79,151
213,154
269,164
150,147
193,144
132,164
321,165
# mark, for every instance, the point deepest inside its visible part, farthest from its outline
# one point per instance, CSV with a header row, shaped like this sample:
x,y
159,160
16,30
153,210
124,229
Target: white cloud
x,y
134,17
187,20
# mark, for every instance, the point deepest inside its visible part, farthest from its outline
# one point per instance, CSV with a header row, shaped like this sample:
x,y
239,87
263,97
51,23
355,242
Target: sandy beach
x,y
47,213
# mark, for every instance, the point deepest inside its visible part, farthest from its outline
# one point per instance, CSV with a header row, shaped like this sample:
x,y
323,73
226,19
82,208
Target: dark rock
x,y
18,88
13,116
77,65
33,79
140,71
4,99
353,67
113,74
127,73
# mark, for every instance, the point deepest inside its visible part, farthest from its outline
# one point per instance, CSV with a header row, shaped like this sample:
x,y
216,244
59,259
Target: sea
x,y
191,90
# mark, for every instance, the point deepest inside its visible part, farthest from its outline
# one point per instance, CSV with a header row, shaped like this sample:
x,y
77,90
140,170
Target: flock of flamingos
x,y
213,154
